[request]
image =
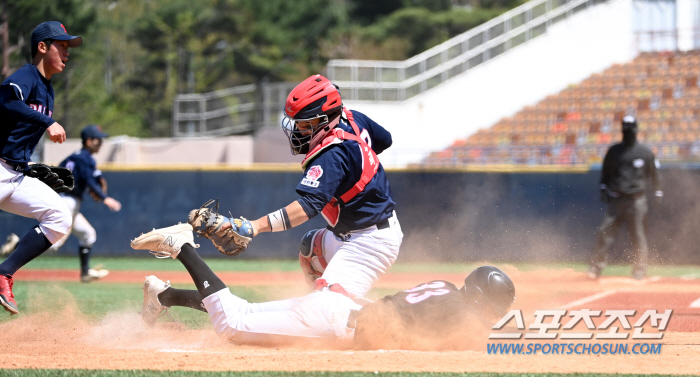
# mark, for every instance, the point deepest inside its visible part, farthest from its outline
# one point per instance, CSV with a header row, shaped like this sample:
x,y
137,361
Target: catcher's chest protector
x,y
370,164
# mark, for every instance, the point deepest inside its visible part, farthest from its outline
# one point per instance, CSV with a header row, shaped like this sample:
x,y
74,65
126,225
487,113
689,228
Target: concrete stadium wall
x,y
446,216
570,51
269,145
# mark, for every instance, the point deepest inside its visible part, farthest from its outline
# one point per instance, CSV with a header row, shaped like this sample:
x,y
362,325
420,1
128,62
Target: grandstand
x,y
577,125
542,84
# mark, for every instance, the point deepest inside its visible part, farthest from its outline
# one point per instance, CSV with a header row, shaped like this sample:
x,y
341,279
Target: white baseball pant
x,y
356,264
29,197
81,227
320,314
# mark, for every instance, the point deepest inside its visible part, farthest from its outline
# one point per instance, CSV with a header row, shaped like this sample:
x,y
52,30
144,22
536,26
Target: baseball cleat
x,y
165,242
7,298
94,274
639,274
152,308
10,244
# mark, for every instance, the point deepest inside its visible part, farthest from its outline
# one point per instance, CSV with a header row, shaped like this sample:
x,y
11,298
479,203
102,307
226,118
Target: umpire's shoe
x,y
151,309
165,242
593,272
7,298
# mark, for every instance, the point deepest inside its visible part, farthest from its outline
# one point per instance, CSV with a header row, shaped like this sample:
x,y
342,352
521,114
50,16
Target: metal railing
x,y
243,109
237,110
374,80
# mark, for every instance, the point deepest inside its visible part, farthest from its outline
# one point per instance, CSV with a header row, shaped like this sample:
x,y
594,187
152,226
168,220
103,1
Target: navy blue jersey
x,y
338,168
26,107
86,174
437,305
430,315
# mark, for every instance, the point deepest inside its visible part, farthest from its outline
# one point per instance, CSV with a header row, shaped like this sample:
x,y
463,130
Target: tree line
x,y
137,55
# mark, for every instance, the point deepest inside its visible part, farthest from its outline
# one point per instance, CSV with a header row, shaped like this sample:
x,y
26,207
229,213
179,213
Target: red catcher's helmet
x,y
314,98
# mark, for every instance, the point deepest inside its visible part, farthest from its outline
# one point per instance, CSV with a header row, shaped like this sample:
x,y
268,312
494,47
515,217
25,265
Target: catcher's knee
x,y
312,255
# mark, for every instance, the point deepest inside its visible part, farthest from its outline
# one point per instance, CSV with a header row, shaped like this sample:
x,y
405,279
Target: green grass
x,y
231,264
154,264
94,301
153,373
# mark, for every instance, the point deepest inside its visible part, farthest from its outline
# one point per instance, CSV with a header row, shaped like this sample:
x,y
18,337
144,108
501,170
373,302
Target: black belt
x,y
383,224
18,167
346,236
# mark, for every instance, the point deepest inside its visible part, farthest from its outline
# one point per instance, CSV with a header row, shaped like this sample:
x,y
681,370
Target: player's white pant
x,y
29,197
356,264
81,228
320,314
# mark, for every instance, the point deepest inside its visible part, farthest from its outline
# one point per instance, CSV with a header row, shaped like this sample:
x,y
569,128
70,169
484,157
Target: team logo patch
x,y
312,175
638,163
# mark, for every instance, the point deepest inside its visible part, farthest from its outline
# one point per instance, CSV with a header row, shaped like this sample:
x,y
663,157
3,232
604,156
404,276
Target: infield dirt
x,y
121,341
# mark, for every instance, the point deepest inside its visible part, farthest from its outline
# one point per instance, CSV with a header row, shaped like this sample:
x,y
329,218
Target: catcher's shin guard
x,y
311,255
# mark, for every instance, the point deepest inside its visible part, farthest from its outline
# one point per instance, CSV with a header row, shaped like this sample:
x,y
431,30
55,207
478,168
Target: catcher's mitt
x,y
58,178
207,223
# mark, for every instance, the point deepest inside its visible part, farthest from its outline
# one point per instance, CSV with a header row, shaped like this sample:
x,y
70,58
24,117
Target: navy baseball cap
x,y
92,131
56,31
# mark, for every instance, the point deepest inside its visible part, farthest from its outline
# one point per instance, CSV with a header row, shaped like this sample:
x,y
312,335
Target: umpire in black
x,y
623,184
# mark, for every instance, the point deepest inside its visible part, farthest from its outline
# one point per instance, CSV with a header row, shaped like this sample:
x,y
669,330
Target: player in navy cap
x,y
87,179
26,113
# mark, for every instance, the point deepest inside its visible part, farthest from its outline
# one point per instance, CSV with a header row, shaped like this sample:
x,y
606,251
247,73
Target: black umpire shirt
x,y
626,168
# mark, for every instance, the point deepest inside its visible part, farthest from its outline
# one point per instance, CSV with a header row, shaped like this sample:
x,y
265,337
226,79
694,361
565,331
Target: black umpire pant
x,y
630,209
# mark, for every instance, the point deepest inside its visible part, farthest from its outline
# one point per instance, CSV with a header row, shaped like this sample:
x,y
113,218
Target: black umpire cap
x,y
56,31
629,121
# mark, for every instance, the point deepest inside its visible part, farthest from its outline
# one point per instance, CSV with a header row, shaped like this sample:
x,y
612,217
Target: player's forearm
x,y
21,112
282,219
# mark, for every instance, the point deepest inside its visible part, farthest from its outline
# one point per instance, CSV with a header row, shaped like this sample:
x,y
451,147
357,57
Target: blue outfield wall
x,y
445,216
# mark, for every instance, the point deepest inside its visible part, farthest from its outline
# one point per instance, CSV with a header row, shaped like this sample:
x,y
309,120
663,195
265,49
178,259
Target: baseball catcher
x,y
343,181
430,313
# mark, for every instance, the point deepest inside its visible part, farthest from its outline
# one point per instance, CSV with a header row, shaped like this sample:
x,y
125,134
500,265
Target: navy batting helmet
x,y
490,290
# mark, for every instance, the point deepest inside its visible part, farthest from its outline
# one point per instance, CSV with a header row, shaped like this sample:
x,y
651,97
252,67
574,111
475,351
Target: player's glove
x,y
207,223
58,178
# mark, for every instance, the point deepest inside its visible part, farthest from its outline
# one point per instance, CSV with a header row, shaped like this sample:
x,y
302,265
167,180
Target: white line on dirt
x,y
695,304
590,298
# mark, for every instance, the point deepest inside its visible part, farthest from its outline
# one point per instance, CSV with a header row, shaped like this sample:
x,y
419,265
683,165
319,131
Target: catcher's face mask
x,y
304,134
